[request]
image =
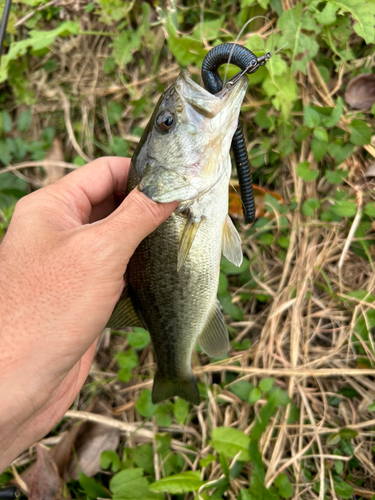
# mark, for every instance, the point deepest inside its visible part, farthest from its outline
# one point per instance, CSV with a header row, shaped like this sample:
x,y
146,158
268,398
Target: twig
x,y
69,127
35,164
30,14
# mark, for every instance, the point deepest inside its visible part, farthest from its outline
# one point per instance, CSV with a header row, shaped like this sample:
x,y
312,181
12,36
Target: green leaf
x,y
340,152
241,389
144,457
344,490
208,30
144,404
203,462
324,16
37,42
139,338
283,92
319,148
91,487
321,134
24,120
229,308
283,485
262,119
348,433
283,242
109,458
371,407
303,47
255,43
180,410
333,439
230,441
224,465
6,121
266,384
370,209
114,111
186,49
360,133
130,484
265,414
363,13
309,206
311,117
336,176
5,153
344,208
162,416
178,483
304,171
332,120
223,285
228,268
255,395
127,361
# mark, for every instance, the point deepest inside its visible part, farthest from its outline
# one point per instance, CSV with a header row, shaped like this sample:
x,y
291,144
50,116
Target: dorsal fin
x,y
124,313
214,339
232,243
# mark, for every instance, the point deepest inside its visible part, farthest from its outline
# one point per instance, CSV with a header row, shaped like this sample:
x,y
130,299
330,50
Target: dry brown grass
x,y
303,336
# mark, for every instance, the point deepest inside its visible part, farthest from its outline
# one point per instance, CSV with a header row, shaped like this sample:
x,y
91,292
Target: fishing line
x,y
4,23
239,36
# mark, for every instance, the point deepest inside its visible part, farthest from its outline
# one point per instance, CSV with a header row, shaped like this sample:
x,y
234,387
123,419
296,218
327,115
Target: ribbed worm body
x,y
243,58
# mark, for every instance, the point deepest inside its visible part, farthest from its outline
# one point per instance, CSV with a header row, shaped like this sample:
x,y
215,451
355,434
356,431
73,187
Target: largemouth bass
x,y
172,278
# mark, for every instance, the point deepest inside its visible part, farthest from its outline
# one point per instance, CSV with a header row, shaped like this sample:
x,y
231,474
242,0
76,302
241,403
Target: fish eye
x,y
165,121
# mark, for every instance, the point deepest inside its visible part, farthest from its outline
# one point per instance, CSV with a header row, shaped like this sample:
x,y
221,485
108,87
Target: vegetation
x,y
290,412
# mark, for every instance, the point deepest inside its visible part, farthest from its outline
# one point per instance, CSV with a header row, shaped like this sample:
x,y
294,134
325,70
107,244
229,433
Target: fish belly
x,y
175,305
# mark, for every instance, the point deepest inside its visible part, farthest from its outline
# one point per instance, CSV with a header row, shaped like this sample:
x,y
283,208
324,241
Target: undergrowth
x,y
290,412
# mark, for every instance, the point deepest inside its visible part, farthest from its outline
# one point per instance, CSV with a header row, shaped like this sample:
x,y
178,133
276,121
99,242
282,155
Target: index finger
x,y
93,183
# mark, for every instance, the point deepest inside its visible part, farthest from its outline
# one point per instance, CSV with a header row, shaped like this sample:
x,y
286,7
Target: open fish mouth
x,y
189,140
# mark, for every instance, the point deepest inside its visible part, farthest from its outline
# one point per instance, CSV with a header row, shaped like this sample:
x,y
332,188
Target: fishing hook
x,y
248,62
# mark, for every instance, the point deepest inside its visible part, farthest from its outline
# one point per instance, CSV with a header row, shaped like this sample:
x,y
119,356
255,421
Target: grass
x,y
290,412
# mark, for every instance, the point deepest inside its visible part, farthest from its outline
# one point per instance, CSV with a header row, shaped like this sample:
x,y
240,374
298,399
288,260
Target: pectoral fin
x,y
232,243
188,235
214,339
124,313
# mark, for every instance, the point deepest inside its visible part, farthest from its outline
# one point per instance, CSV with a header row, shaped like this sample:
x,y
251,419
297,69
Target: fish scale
x,y
172,278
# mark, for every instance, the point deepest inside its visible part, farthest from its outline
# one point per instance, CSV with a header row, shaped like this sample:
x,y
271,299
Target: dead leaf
x,y
235,203
93,439
360,92
45,482
56,153
370,172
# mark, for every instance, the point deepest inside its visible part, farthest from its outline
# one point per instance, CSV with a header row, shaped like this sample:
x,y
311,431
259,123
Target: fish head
x,y
185,148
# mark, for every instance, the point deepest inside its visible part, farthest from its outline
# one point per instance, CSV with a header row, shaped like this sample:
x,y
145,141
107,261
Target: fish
x,y
172,278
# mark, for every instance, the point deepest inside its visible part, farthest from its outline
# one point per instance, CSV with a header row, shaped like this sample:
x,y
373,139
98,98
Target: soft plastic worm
x,y
241,57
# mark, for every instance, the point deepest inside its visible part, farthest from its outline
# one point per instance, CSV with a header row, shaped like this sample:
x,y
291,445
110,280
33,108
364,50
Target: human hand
x,y
62,263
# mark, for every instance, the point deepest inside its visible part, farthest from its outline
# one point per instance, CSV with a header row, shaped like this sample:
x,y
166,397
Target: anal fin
x,y
232,243
214,339
188,235
124,313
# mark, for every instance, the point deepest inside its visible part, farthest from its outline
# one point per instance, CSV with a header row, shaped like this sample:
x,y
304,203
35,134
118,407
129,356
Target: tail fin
x,y
165,388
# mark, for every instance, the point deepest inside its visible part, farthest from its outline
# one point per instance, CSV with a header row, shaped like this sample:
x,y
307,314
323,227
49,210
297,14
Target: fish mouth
x,y
207,104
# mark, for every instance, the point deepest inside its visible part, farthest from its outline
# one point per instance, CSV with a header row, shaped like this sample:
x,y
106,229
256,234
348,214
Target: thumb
x,y
135,219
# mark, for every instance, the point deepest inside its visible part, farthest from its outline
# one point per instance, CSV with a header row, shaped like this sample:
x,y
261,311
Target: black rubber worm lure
x,y
249,63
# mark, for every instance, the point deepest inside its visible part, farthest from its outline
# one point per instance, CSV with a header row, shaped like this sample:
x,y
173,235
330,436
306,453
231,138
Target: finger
x,y
135,219
92,185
